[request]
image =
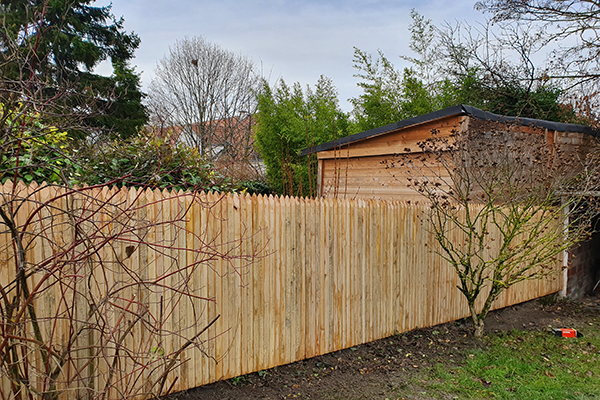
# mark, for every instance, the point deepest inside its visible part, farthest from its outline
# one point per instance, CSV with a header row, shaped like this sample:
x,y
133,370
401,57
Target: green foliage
x,y
49,50
240,380
256,187
424,44
419,98
32,151
148,161
436,80
380,103
390,95
290,120
512,99
65,36
123,113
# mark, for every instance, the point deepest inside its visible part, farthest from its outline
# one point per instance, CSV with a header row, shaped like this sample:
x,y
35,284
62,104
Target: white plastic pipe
x,y
563,291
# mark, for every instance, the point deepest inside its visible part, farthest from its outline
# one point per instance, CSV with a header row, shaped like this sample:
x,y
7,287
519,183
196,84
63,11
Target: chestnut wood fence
x,y
330,274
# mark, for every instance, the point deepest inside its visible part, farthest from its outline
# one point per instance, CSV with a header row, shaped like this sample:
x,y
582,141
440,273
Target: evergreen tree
x,y
123,112
49,49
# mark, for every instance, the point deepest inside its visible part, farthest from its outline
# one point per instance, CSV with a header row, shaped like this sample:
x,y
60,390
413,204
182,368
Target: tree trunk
x,y
478,322
479,328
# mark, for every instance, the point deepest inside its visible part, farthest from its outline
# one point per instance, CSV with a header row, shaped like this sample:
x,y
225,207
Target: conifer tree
x,y
54,46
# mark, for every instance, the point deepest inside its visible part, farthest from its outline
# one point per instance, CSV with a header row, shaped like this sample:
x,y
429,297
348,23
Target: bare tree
x,y
571,32
572,18
71,295
502,54
207,94
496,178
504,67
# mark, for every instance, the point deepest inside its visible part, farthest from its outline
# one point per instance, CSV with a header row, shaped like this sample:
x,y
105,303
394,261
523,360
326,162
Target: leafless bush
x,y
100,288
93,284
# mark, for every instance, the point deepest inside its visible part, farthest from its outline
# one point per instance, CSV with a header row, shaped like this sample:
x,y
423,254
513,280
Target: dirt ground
x,y
390,368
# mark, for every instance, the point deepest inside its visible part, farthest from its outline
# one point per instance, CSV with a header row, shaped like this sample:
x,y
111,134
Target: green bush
x,y
32,151
257,187
148,161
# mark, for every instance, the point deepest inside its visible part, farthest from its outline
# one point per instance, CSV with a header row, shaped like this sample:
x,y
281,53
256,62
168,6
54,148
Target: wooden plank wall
x,y
377,177
368,169
333,274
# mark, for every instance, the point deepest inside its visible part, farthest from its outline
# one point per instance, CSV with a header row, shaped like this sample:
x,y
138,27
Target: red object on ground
x,y
562,332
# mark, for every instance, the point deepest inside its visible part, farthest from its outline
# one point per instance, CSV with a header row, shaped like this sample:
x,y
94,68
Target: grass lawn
x,y
525,365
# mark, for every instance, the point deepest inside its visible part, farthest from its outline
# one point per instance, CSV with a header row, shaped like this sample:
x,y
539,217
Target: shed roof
x,y
448,112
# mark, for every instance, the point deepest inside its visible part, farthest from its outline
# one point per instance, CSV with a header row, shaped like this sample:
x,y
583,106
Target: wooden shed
x,y
355,166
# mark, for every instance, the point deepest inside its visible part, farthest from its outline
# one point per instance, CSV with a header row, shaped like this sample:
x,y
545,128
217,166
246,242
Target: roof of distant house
x,y
448,112
224,130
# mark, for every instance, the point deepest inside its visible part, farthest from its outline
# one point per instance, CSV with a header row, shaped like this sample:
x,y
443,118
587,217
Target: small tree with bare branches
x,y
496,178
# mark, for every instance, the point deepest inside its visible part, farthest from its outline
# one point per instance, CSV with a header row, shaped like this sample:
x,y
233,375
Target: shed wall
x,y
368,169
401,141
376,177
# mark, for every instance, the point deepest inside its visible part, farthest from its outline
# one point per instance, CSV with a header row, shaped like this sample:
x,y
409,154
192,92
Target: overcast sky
x,y
297,40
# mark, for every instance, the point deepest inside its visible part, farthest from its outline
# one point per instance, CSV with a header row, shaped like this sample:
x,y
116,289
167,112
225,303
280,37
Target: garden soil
x,y
394,367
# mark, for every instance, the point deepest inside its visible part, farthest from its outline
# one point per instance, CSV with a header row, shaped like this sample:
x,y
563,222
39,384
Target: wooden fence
x,y
291,278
